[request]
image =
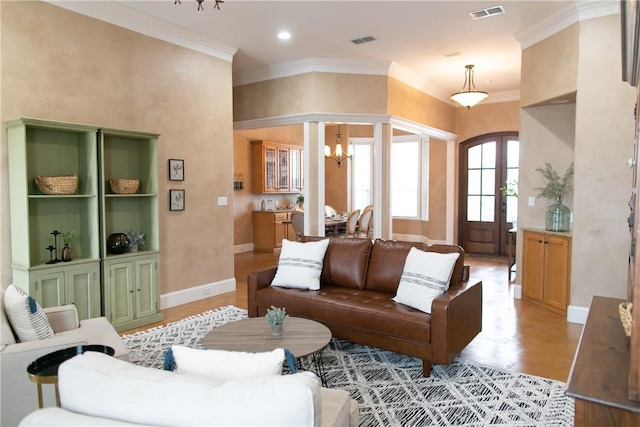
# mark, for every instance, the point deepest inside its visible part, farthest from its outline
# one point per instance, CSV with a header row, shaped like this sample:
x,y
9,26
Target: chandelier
x,y
339,156
469,95
200,7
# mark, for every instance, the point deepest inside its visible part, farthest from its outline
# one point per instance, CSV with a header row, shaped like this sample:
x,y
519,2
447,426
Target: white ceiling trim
x,y
565,17
296,119
134,20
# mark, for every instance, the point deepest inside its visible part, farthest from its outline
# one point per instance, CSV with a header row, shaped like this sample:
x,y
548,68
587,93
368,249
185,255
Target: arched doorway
x,y
488,163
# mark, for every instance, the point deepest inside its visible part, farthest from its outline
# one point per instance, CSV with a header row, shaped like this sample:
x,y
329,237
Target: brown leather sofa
x,y
359,280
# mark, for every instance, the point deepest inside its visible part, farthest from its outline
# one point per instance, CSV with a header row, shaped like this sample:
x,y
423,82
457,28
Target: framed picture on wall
x,y
176,200
176,170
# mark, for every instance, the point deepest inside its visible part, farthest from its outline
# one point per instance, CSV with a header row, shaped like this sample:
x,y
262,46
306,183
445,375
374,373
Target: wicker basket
x,y
625,316
124,186
64,184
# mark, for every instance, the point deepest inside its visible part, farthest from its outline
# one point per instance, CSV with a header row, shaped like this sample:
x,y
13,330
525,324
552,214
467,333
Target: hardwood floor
x,y
516,334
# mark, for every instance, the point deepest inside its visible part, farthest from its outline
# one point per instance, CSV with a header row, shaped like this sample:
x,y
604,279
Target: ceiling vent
x,y
361,40
490,11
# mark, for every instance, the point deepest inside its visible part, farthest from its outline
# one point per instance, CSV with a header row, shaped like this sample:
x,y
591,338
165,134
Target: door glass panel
x,y
513,154
489,154
473,182
488,209
488,181
513,164
474,157
473,208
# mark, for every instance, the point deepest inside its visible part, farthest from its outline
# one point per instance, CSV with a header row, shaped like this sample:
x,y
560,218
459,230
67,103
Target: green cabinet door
x,y
146,287
120,282
83,289
48,288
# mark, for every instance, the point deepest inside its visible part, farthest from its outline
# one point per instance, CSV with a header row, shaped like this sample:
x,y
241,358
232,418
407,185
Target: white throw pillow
x,y
300,264
226,365
425,276
26,316
6,334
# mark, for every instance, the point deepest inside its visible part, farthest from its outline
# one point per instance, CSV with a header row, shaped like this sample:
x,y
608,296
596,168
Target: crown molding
x,y
566,16
132,19
309,65
296,119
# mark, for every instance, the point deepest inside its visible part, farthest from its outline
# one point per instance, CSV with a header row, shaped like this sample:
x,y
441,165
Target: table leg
x,y
57,395
40,403
316,361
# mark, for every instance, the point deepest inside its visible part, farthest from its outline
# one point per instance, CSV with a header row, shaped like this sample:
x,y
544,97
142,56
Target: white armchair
x,y
18,394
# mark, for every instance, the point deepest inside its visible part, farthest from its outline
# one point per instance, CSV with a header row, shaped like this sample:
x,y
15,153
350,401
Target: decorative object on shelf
x,y
238,181
68,238
300,200
124,186
558,216
136,239
176,200
339,156
117,243
469,95
275,317
625,316
53,250
200,6
176,170
57,185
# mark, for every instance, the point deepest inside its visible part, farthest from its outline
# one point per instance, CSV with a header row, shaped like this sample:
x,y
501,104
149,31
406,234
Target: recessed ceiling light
x,y
284,35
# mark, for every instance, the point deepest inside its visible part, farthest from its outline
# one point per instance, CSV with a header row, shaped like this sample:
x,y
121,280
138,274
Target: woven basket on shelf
x,y
124,186
625,316
64,184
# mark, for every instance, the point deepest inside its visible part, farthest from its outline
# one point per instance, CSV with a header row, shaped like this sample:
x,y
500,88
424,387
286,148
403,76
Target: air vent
x,y
490,11
361,40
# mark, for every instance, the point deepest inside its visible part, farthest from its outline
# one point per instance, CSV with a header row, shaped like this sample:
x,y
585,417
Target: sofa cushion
x,y
6,334
300,264
425,276
27,319
345,263
98,385
386,264
226,365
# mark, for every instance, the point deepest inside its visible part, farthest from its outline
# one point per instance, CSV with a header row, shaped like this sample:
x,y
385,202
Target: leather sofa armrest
x,y
456,318
255,281
62,318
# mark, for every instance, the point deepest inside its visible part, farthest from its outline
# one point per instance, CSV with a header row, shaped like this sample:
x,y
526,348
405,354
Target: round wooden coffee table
x,y
302,337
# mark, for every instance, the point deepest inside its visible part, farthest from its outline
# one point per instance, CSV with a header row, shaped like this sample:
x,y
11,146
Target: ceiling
x,y
428,42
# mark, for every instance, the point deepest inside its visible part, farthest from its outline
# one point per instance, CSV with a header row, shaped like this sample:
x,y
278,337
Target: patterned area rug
x,y
390,388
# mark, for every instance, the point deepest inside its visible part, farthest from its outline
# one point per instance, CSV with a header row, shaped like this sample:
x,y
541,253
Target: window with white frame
x,y
361,177
410,177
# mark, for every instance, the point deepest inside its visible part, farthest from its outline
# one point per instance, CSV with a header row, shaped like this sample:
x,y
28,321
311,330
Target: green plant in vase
x,y
136,240
300,200
558,216
68,238
275,317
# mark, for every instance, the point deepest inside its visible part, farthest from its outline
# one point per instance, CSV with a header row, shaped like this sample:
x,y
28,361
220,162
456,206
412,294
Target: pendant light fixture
x,y
469,95
339,156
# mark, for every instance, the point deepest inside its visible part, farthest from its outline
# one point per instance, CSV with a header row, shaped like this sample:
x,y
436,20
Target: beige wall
x,y
487,118
311,92
597,134
550,67
412,104
59,65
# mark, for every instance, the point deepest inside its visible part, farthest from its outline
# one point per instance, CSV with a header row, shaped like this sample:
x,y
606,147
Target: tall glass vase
x,y
558,216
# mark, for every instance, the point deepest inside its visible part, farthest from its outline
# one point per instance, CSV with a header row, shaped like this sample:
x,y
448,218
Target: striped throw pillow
x,y
26,316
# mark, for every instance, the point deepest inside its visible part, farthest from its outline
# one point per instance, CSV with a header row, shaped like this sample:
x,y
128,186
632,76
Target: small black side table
x,y
44,370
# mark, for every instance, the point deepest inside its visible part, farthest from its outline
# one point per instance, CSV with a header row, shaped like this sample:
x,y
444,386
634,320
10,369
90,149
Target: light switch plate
x,y
532,201
222,201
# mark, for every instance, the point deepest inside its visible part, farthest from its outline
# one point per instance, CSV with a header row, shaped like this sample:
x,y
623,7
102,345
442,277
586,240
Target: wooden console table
x,y
599,378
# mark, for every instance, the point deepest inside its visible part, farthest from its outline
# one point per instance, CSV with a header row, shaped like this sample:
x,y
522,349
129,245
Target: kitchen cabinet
x,y
269,228
277,168
546,269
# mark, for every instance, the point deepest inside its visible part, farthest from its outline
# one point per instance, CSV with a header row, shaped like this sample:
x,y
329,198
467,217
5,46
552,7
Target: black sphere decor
x,y
117,243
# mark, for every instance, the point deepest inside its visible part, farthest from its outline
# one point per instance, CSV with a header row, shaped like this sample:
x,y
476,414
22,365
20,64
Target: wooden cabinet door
x,y
49,287
146,284
120,283
556,272
532,266
83,289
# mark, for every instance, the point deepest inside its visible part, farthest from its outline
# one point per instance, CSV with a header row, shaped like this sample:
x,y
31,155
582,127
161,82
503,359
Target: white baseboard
x,y
247,247
411,238
517,291
184,296
577,314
